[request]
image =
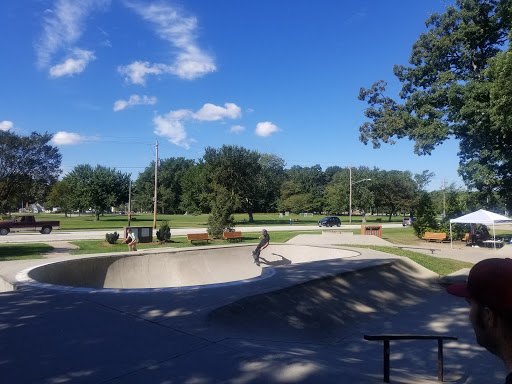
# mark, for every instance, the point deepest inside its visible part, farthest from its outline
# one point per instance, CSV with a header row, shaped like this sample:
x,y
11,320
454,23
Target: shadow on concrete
x,y
282,330
283,261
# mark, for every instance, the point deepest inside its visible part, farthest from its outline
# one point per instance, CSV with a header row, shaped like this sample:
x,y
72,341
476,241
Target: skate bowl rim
x,y
25,277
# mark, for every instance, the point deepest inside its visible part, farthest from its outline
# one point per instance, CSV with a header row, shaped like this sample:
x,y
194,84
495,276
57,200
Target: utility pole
x,y
350,194
130,202
156,185
444,198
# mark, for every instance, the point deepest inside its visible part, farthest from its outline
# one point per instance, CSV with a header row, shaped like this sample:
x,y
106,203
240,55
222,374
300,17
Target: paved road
x,y
61,235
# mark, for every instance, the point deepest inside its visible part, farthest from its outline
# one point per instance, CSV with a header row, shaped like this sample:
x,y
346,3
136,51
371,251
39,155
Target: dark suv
x,y
329,221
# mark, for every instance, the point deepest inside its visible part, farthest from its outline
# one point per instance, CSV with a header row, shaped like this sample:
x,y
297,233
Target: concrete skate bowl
x,y
331,308
176,269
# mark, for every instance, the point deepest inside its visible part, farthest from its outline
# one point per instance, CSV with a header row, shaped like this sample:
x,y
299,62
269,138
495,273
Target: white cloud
x,y
211,112
137,71
62,28
171,25
6,125
67,138
119,105
266,128
237,129
73,64
172,125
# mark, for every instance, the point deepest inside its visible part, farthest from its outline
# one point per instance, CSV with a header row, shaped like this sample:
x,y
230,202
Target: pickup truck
x,y
27,223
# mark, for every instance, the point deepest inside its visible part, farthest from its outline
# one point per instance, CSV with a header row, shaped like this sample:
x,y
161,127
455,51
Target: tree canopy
x,y
458,85
28,168
98,188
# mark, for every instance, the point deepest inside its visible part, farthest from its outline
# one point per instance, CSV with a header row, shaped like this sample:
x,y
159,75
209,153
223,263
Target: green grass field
x,y
23,251
77,222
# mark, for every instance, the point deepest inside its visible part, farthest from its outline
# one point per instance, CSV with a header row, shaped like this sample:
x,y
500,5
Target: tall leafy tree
x,y
98,188
395,191
307,182
425,216
195,184
61,196
170,174
454,87
336,195
29,166
236,169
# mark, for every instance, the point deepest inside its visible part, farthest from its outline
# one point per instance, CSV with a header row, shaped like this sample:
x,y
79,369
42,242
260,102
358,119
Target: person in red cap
x,y
489,294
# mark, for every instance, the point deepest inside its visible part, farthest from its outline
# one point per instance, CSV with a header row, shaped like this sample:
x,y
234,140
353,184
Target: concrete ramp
x,y
324,310
174,268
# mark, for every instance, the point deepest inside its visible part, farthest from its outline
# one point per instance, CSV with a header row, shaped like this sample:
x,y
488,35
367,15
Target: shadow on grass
x,y
23,251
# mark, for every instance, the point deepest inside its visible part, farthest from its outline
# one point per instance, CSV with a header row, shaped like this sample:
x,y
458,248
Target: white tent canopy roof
x,y
482,217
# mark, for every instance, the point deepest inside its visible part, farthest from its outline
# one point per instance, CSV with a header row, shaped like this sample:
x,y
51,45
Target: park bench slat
x,y
198,236
232,235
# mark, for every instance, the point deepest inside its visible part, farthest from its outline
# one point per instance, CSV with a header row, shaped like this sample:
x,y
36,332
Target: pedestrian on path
x,y
265,239
131,239
489,294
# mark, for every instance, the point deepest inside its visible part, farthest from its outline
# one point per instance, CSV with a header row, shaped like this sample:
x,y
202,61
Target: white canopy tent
x,y
481,217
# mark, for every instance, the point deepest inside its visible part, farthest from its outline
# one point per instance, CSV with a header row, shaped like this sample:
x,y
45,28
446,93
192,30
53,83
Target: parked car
x,y
329,221
408,221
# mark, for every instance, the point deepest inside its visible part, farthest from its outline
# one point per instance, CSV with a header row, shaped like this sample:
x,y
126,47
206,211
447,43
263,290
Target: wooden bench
x,y
387,338
232,236
198,236
434,236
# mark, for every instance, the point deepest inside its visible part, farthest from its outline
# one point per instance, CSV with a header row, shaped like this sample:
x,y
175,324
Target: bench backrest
x,y
435,235
197,236
231,235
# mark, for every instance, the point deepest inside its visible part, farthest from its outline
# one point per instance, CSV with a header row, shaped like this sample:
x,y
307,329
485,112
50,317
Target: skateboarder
x,y
131,239
265,239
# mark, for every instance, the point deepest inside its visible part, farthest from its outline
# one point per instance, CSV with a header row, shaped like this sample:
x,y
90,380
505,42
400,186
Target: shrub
x,y
425,217
112,237
220,218
164,233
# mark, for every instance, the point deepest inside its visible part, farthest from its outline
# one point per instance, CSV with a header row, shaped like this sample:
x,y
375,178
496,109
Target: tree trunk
x,y
251,218
96,216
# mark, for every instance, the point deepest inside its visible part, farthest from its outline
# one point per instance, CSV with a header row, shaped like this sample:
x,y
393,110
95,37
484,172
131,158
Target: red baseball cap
x,y
489,283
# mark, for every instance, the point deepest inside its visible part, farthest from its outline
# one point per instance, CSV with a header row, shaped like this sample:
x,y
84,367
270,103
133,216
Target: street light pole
x,y
350,194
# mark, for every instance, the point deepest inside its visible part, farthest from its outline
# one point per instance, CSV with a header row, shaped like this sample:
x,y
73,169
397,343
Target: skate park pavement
x,y
304,323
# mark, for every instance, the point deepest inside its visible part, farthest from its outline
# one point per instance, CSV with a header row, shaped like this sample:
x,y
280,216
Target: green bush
x,y
425,217
112,237
221,218
164,233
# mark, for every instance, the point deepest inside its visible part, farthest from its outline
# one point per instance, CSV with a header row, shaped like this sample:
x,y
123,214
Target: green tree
x,y
196,195
221,217
61,196
98,188
29,166
425,216
336,194
236,170
395,191
308,182
171,172
457,86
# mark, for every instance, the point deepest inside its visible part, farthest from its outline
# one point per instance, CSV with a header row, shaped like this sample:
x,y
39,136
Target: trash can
x,y
144,234
375,230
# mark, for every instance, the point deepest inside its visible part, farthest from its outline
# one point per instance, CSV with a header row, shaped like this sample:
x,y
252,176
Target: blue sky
x,y
110,77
